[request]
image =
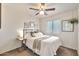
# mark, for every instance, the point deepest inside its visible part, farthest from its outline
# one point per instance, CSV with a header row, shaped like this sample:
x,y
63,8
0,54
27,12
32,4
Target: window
x,y
50,26
54,26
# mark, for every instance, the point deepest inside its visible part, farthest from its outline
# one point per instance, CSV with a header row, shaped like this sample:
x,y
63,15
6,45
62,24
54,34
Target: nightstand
x,y
23,41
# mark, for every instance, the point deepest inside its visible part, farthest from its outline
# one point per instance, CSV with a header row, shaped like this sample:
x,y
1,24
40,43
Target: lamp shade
x,y
20,33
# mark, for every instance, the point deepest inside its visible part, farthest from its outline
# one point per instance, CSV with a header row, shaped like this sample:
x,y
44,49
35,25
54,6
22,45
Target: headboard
x,y
29,28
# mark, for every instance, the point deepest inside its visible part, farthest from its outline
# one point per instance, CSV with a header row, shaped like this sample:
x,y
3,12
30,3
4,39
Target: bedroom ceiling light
x,y
41,12
42,9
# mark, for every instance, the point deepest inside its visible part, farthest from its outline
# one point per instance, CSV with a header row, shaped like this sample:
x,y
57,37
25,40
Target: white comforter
x,y
48,46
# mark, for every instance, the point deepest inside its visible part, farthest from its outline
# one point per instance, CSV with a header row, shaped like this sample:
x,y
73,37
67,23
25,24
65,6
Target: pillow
x,y
32,34
27,35
39,34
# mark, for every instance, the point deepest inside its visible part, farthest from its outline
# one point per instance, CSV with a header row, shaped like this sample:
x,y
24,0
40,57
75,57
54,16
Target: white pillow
x,y
39,34
27,35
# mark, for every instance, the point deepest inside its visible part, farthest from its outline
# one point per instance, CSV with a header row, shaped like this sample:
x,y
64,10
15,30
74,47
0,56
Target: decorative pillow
x,y
32,34
27,35
39,34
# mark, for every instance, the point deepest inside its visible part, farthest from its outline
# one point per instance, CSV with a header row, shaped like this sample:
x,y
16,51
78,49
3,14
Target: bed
x,y
43,45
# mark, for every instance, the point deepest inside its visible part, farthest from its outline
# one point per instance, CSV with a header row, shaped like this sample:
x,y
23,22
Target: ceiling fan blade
x,y
50,9
37,13
43,4
33,9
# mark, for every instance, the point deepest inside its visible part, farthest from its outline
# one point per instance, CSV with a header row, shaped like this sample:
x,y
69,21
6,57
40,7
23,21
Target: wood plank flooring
x,y
62,51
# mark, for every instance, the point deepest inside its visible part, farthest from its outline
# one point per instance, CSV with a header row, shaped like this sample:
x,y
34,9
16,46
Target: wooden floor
x,y
62,51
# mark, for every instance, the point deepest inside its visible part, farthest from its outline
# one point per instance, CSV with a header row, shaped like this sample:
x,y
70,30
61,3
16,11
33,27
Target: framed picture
x,y
67,26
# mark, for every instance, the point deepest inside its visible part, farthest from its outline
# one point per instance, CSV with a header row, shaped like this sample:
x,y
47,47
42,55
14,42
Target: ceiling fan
x,y
42,9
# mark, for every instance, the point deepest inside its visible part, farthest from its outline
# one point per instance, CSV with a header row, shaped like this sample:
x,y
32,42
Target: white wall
x,y
78,31
69,39
13,17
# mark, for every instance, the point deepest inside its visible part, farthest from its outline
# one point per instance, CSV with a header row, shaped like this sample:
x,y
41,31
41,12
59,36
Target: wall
x,y
13,17
78,31
69,39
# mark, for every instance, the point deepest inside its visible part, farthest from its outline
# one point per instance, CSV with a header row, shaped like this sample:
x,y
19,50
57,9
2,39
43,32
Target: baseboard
x,y
9,50
69,48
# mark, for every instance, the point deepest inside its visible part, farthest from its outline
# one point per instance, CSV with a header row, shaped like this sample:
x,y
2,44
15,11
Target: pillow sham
x,y
32,34
27,35
39,34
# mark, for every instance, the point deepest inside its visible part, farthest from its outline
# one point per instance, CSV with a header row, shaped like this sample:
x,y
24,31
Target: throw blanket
x,y
37,43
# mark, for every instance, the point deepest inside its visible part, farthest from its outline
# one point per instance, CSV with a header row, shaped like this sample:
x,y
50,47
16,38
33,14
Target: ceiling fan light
x,y
41,13
42,7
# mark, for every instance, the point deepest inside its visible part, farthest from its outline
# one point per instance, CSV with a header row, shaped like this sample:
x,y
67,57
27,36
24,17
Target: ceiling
x,y
60,7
